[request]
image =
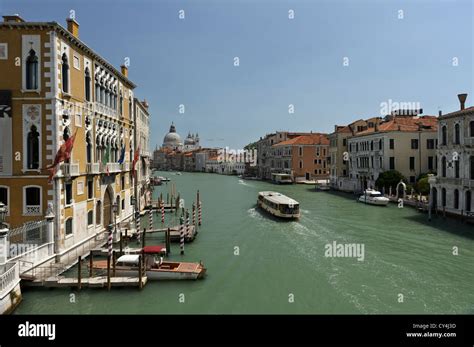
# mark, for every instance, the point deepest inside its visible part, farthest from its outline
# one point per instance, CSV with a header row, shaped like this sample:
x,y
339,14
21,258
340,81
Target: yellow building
x,y
53,86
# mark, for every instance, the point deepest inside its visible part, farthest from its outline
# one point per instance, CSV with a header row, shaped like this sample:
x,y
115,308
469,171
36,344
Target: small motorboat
x,y
374,197
155,269
278,205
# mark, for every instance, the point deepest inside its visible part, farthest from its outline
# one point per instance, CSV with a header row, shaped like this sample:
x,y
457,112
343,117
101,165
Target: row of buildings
x,y
353,156
54,86
175,155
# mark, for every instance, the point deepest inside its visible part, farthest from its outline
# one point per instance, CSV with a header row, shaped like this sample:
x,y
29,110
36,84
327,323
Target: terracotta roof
x,y
311,139
399,123
458,112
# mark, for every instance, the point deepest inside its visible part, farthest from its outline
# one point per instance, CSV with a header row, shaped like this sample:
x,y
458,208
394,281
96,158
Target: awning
x,y
154,249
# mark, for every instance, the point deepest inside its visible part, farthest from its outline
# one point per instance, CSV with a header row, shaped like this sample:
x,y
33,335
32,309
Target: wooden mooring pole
x,y
79,270
91,270
108,272
168,241
113,263
140,282
121,245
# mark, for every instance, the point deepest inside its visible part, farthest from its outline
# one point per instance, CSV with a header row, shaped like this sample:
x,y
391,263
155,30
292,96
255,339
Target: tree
x,y
423,186
389,179
251,146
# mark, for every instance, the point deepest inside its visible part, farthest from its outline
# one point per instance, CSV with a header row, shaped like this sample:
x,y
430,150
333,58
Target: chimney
x,y
73,27
124,70
13,18
462,100
376,126
440,113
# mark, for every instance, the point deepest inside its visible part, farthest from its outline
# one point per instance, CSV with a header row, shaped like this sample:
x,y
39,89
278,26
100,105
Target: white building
x,y
455,180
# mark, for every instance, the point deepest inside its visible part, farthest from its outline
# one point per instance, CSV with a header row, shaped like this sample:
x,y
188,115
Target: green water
x,y
279,261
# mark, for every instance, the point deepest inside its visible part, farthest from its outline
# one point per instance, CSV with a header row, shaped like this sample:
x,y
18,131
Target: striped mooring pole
x,y
150,216
194,215
109,242
199,209
162,212
187,223
181,235
137,225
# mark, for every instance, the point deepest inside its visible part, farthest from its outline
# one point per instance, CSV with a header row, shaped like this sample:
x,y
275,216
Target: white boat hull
x,y
377,202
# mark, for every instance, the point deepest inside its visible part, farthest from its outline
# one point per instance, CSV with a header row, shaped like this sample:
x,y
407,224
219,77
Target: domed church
x,y
172,141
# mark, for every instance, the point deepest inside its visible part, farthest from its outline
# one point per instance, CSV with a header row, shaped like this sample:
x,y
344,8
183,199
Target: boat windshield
x,y
376,195
289,209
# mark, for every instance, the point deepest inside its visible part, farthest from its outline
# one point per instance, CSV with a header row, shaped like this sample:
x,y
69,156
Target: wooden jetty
x,y
175,233
91,282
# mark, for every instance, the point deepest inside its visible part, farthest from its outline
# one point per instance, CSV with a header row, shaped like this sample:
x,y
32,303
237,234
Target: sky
x,y
335,61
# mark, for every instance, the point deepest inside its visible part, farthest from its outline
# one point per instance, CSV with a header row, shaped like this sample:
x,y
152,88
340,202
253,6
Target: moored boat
x,y
373,197
278,205
155,269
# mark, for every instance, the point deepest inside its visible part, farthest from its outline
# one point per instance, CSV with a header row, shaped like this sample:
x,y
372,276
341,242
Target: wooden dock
x,y
175,233
88,282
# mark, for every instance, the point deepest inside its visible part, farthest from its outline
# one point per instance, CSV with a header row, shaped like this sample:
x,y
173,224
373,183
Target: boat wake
x,y
242,182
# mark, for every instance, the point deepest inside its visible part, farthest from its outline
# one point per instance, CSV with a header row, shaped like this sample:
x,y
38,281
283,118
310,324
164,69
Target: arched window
x,y
4,196
456,168
32,70
444,135
32,149
87,82
471,166
457,134
32,201
97,92
121,103
471,128
65,74
98,209
102,95
456,199
443,197
89,148
117,201
443,166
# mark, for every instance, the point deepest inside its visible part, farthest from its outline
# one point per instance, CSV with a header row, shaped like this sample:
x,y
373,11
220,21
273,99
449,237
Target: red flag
x,y
64,153
135,159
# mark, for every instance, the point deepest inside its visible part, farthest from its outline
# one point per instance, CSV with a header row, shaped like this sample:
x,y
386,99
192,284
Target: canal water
x,y
257,264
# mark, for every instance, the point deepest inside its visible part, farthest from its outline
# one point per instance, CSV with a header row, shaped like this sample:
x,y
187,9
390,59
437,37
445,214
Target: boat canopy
x,y
128,258
278,198
154,249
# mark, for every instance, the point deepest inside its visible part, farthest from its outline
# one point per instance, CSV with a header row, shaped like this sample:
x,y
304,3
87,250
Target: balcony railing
x,y
32,210
466,182
70,169
93,168
105,110
114,167
9,278
469,141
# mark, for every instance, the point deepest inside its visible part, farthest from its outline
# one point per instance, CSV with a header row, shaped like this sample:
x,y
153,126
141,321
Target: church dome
x,y
172,139
189,140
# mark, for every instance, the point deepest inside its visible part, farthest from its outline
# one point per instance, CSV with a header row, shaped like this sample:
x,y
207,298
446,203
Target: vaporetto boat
x,y
374,197
278,205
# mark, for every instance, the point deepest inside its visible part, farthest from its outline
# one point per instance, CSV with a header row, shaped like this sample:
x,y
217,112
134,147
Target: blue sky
x,y
282,61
